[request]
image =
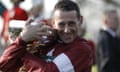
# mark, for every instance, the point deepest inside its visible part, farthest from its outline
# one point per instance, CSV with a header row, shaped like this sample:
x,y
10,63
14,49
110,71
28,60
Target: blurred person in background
x,y
70,53
36,10
34,14
16,13
2,8
108,47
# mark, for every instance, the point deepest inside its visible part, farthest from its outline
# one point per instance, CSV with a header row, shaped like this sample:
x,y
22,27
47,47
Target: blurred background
x,y
92,11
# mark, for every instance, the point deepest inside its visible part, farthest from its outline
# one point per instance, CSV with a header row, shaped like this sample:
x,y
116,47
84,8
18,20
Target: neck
x,y
113,29
16,4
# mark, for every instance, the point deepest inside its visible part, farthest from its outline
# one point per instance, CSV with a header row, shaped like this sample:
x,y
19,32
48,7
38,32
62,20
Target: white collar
x,y
110,31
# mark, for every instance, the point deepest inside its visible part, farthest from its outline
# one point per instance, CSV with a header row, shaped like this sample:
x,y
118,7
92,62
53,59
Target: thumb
x,y
28,22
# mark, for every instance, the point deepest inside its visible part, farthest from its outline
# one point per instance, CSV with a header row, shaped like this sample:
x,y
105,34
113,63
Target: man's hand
x,y
35,31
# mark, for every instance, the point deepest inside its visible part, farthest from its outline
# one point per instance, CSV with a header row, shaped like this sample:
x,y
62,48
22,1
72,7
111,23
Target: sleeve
x,y
10,59
15,56
4,31
35,64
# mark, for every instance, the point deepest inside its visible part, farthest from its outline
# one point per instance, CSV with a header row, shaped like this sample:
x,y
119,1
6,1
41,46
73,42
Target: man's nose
x,y
66,29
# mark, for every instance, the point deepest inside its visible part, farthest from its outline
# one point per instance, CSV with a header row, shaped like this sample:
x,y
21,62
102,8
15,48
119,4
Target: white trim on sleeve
x,y
17,23
63,63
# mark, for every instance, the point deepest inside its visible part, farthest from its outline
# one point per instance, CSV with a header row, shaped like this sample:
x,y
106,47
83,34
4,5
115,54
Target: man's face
x,y
112,20
66,23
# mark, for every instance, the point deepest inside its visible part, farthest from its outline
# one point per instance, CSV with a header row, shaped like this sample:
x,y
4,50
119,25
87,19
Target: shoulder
x,y
81,46
103,33
80,54
20,14
20,10
81,43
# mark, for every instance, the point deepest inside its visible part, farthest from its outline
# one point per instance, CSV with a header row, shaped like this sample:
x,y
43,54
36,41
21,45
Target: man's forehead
x,y
59,13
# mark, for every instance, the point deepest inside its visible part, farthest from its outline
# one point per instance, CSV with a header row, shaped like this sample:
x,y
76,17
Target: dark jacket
x,y
108,52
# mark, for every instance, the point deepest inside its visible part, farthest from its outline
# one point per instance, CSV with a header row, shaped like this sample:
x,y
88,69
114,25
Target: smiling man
x,y
66,24
70,53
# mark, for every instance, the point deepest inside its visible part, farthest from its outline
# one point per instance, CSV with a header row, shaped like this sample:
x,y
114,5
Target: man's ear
x,y
105,21
81,19
53,22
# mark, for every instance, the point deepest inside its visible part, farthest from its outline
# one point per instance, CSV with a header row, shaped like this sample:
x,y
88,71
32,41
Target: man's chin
x,y
68,40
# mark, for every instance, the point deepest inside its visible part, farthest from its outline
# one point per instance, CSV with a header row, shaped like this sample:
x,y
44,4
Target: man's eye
x,y
71,23
61,24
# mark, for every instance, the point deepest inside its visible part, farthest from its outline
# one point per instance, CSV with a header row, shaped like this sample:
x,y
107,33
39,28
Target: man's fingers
x,y
29,21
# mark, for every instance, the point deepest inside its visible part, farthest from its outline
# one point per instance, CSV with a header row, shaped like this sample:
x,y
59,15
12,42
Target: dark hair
x,y
67,5
107,11
22,0
19,0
